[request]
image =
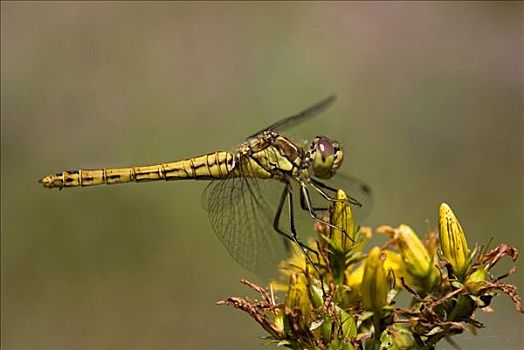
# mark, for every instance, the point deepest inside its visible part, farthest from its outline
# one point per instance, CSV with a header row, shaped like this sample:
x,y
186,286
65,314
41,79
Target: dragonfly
x,y
243,214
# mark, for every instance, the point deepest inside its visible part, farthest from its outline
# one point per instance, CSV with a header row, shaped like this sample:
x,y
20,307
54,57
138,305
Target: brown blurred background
x,y
430,108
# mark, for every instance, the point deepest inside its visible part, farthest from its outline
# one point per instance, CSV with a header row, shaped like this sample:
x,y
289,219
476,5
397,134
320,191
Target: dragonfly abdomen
x,y
210,166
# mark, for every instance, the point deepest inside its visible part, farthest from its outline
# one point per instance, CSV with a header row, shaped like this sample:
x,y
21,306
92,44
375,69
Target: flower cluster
x,y
343,297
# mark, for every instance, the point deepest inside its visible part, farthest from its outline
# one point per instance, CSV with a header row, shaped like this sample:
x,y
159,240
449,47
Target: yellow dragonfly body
x,y
238,207
266,156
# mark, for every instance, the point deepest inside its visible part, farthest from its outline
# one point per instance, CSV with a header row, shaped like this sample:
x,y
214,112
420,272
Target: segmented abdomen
x,y
210,166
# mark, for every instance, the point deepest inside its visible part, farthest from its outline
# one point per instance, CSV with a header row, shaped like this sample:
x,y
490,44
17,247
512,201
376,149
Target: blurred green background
x,y
430,108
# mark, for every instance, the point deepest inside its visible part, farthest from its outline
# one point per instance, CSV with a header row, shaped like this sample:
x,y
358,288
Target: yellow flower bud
x,y
342,217
418,261
374,288
453,243
297,301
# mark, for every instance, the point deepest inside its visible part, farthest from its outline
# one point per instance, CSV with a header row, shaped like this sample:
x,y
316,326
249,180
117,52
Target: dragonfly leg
x,y
320,187
303,204
313,213
287,193
276,220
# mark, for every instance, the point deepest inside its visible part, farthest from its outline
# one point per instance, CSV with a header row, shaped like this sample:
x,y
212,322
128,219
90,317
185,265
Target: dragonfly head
x,y
326,157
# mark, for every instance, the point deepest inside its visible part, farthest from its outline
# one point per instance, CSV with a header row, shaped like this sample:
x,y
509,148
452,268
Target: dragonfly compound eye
x,y
326,156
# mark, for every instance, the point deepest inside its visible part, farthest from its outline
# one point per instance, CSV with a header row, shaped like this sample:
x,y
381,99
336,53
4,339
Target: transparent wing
x,y
299,117
241,215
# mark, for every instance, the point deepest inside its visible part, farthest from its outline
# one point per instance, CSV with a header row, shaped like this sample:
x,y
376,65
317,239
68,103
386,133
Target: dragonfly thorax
x,y
325,156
